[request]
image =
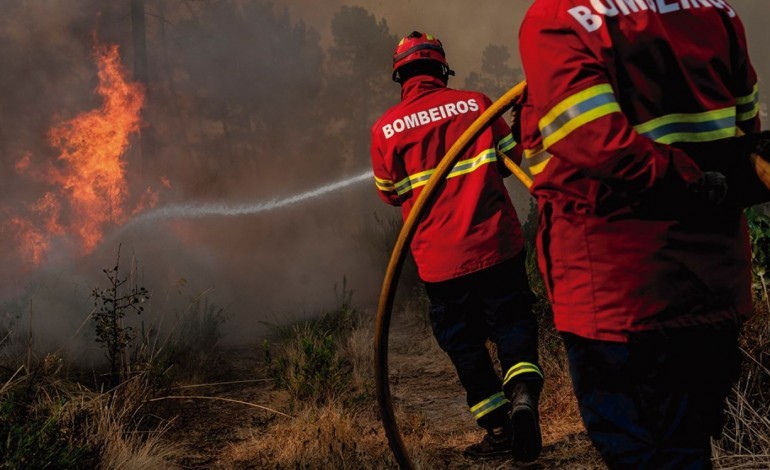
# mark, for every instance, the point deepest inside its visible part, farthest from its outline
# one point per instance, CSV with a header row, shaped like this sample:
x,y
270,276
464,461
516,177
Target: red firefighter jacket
x,y
472,224
613,87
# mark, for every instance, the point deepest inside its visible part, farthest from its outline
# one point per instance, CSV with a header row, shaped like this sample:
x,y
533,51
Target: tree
x,y
141,74
359,70
497,75
250,79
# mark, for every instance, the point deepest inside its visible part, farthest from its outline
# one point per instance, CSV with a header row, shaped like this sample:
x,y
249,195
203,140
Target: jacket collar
x,y
420,84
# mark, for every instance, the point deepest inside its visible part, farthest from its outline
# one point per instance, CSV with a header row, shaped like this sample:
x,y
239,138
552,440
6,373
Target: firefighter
x,y
642,241
468,249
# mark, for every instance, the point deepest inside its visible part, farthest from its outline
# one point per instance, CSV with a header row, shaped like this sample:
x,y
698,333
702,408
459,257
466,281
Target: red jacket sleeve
x,y
578,118
382,165
745,88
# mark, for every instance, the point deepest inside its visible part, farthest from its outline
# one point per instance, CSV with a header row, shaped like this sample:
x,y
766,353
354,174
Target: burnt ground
x,y
423,384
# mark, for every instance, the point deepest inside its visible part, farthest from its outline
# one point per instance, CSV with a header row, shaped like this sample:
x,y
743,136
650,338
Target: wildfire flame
x,y
89,177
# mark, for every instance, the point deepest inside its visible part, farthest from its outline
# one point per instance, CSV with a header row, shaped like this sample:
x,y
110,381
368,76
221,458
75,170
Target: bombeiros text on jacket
x,y
591,18
421,118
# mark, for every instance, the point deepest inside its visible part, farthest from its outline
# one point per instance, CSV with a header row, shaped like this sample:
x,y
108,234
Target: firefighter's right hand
x,y
712,186
515,122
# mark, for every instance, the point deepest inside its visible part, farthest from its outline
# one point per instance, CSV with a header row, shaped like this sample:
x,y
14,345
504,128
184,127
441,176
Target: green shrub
x,y
759,230
310,368
37,438
309,364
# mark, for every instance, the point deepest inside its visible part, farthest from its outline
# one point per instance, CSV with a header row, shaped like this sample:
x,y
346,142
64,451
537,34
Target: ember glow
x,y
88,180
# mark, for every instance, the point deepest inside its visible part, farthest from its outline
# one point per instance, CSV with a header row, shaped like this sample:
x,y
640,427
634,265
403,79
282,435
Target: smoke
x,y
248,103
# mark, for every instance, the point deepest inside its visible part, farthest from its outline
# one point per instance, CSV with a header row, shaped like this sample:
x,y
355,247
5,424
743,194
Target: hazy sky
x,y
466,28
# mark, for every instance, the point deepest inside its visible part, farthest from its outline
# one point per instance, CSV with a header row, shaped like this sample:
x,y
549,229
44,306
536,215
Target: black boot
x,y
525,420
496,443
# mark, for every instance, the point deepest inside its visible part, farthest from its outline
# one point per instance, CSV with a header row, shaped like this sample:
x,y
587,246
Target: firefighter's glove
x,y
762,147
712,186
515,122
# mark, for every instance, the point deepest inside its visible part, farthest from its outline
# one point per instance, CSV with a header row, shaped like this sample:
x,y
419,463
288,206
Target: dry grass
x,y
116,427
323,437
103,429
55,416
745,442
359,351
430,411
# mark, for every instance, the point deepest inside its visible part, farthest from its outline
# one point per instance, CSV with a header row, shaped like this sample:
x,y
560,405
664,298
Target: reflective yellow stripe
x,y
461,168
575,111
750,98
485,407
690,127
506,143
536,159
522,368
747,107
384,185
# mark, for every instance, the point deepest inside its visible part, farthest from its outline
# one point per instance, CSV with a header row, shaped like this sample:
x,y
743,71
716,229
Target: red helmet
x,y
418,46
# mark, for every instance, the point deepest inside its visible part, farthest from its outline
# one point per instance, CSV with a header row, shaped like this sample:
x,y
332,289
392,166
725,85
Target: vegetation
x,y
322,406
746,439
53,415
110,307
310,364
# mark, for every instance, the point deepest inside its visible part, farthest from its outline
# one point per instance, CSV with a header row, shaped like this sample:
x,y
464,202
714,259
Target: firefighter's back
x,y
473,223
619,260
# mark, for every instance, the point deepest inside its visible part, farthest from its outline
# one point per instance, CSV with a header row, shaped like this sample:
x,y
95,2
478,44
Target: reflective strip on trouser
x,y
522,368
494,303
484,407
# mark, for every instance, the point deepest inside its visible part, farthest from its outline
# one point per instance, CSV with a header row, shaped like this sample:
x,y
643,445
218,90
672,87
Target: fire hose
x,y
397,257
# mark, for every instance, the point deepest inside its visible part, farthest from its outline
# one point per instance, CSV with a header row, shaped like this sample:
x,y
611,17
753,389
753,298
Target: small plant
x,y
759,230
310,365
310,368
110,307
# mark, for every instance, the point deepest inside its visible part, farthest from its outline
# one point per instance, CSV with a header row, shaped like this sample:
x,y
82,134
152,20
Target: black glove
x,y
515,123
762,147
712,187
721,155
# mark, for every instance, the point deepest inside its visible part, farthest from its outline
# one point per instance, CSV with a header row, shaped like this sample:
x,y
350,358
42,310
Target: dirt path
x,y
426,394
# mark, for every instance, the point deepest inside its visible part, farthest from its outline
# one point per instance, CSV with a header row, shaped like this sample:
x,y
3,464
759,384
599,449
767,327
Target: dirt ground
x,y
423,384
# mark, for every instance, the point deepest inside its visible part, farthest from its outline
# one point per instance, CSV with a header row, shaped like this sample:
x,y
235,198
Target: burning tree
x,y
89,175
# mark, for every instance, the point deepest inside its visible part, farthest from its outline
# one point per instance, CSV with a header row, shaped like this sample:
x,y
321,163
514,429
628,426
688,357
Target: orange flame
x,y
92,144
90,174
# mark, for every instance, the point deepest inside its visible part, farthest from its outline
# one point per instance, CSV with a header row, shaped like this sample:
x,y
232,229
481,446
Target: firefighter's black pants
x,y
655,402
496,304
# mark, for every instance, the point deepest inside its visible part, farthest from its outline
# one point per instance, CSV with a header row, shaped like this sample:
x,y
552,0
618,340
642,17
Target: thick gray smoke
x,y
247,102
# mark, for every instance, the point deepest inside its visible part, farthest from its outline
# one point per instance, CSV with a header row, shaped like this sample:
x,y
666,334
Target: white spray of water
x,y
191,210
